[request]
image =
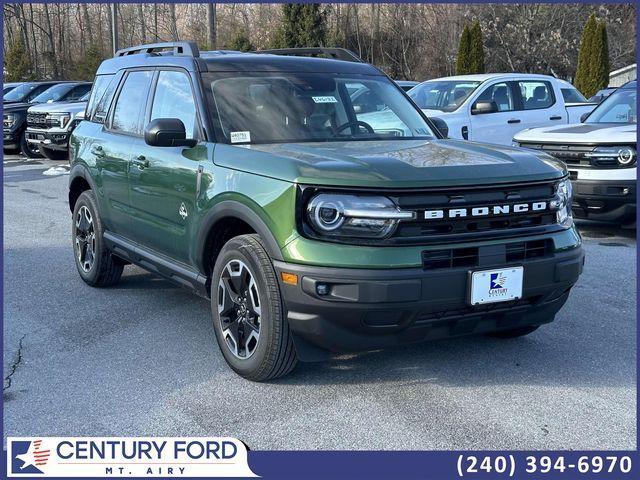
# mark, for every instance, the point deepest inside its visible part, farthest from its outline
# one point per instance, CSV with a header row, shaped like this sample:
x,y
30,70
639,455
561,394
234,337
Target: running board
x,y
159,264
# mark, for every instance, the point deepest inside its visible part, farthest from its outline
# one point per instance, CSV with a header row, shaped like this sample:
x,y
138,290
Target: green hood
x,y
391,163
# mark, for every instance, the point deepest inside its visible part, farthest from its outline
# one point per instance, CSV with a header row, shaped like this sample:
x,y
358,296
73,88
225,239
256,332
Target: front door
x,y
163,180
497,127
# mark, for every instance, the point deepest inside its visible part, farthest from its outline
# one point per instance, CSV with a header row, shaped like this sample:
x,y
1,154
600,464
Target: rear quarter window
x,y
571,95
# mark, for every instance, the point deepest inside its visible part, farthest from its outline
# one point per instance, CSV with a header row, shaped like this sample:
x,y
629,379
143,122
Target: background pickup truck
x,y
492,108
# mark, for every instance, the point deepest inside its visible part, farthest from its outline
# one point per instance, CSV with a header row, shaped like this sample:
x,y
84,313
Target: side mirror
x,y
479,108
584,116
167,132
441,125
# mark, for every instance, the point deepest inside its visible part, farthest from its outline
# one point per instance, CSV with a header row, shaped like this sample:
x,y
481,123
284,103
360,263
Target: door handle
x,y
97,151
555,117
141,162
514,120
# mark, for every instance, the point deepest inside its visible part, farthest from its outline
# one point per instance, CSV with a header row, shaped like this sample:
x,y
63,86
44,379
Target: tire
x,y
29,150
54,154
96,265
515,332
258,344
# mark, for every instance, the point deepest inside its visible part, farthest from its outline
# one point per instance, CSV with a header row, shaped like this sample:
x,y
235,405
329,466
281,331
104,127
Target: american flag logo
x,y
35,456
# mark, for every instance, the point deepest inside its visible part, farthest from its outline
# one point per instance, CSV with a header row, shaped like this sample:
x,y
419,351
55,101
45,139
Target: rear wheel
x,y
31,150
248,315
515,332
54,154
96,265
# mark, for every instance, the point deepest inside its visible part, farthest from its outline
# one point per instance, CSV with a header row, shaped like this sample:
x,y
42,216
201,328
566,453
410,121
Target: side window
x,y
78,92
536,95
37,91
104,87
571,95
500,93
131,102
174,99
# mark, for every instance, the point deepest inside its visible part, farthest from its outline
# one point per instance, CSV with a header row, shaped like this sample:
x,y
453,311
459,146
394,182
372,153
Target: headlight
x,y
58,119
561,202
9,120
514,143
624,155
354,215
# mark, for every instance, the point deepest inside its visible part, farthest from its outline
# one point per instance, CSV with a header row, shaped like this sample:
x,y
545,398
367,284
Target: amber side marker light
x,y
289,278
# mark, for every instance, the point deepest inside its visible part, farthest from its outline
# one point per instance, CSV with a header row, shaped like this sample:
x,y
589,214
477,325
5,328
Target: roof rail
x,y
189,49
335,53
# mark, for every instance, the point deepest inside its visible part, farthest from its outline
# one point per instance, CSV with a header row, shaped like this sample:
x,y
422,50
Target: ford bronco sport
x,y
313,224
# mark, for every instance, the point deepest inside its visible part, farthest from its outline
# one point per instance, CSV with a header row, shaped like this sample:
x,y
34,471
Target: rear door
x,y
497,127
163,180
542,105
112,149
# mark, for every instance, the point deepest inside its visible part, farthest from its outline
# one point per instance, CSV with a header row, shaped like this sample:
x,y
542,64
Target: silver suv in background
x,y
49,126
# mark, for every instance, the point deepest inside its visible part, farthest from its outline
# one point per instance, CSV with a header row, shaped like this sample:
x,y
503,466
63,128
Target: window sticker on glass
x,y
240,137
326,99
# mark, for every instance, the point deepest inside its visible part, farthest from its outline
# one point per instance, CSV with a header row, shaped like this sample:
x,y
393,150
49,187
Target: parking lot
x,y
141,359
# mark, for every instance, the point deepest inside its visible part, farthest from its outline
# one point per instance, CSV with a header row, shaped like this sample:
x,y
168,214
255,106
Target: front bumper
x,y
604,195
374,308
10,138
53,138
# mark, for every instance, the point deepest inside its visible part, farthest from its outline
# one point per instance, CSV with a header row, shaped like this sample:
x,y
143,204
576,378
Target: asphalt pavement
x,y
141,359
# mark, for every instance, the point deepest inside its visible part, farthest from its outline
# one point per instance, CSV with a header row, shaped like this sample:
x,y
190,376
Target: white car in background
x,y
493,107
601,156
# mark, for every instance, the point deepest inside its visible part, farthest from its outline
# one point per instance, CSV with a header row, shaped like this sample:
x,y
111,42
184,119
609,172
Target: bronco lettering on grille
x,y
485,211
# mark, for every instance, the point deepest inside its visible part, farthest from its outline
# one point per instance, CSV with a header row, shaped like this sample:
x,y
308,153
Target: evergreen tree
x,y
600,62
16,63
86,68
463,63
242,43
303,25
476,51
585,56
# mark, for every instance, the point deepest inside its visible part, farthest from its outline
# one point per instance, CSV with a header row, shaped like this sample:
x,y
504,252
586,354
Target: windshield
x,y
619,107
20,92
292,107
444,95
53,94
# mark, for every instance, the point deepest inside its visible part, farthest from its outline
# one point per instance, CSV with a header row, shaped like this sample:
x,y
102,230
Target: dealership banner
x,y
126,457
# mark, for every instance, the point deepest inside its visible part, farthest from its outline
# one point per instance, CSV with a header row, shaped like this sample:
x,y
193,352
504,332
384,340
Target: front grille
x,y
573,155
519,251
37,120
468,226
470,257
473,311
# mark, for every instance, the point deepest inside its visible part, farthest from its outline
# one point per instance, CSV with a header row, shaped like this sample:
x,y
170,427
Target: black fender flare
x,y
231,208
80,171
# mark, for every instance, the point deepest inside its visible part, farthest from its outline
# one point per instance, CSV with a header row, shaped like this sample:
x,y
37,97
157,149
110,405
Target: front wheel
x,y
248,315
54,154
31,150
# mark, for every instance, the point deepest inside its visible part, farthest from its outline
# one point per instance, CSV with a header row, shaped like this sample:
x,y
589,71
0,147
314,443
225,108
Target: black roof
x,y
187,55
263,62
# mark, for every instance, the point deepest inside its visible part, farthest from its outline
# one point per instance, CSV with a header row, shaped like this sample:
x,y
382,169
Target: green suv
x,y
314,204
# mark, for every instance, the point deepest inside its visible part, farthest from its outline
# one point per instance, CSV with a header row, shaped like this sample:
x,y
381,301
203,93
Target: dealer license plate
x,y
491,286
